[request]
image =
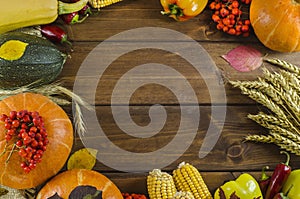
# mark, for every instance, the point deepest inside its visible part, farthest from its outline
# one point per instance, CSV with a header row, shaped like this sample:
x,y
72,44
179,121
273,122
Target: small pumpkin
x,y
64,183
60,135
277,24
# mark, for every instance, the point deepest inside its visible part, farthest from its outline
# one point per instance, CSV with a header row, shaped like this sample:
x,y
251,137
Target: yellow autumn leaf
x,y
84,158
12,50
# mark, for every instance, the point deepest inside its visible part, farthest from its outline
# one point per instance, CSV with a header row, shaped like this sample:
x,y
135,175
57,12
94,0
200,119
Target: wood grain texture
x,y
230,155
152,94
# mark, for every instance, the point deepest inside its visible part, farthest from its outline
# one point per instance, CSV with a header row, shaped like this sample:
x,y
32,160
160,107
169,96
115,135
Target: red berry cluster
x,y
26,129
229,16
133,196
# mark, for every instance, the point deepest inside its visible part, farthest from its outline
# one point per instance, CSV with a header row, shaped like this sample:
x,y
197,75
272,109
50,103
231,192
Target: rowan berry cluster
x,y
27,131
133,196
230,18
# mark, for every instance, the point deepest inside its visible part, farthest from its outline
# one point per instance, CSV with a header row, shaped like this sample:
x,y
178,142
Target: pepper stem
x,y
264,176
287,157
67,8
174,10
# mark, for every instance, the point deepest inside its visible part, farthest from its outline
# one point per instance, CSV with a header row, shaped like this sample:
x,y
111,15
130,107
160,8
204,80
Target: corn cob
x,y
188,178
160,185
102,3
183,195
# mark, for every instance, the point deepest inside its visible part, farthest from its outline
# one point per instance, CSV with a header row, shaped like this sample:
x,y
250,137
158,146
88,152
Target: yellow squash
x,y
18,14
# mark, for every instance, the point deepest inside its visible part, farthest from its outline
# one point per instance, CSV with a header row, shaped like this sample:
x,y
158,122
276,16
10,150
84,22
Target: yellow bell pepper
x,y
244,187
291,186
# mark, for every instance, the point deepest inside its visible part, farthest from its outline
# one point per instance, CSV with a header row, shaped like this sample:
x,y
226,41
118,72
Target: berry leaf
x,y
244,58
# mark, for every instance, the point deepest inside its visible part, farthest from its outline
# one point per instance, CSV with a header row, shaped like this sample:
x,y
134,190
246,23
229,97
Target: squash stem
x,y
66,8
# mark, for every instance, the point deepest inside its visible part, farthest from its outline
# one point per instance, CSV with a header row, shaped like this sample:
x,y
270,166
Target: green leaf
x,y
3,191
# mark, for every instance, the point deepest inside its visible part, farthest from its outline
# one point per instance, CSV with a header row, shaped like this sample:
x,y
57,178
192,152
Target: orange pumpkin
x,y
60,135
65,182
277,23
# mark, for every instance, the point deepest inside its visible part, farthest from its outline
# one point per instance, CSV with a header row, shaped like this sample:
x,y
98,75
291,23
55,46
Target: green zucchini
x,y
28,59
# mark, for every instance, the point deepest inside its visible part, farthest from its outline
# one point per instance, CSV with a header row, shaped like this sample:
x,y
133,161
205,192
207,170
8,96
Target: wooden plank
x,y
128,15
153,93
230,152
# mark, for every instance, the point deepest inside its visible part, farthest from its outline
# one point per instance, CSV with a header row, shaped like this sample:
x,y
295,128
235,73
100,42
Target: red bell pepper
x,y
278,178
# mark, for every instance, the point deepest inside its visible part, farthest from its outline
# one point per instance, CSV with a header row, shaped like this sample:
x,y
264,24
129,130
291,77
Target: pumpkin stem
x,y
296,1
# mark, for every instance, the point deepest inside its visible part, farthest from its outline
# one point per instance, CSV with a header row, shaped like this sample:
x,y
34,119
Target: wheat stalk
x,y
58,94
266,120
279,92
285,143
260,138
285,65
286,92
293,81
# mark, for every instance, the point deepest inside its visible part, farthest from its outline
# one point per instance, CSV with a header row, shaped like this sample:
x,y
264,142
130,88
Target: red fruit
x,y
24,134
235,11
226,21
224,12
19,143
220,26
15,123
215,18
245,28
8,137
33,129
26,118
13,115
232,31
24,126
247,22
212,5
225,29
3,117
26,169
7,126
11,132
26,140
218,6
22,152
34,143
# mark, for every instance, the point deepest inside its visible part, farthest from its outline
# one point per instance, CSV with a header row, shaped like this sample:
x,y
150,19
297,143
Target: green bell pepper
x,y
244,187
291,186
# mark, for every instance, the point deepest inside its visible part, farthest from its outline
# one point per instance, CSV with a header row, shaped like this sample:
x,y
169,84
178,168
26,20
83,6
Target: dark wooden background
x,y
230,156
